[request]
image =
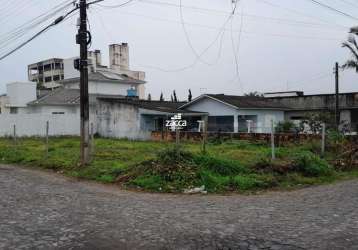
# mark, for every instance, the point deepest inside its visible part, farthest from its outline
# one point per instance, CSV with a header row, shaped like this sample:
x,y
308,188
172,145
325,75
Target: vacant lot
x,y
156,166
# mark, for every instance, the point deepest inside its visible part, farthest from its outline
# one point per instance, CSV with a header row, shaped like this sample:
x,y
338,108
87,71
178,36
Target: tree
x,y
254,94
352,46
175,96
149,97
171,97
161,97
190,96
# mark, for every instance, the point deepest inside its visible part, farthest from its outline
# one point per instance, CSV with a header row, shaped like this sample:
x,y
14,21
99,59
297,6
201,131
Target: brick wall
x,y
197,137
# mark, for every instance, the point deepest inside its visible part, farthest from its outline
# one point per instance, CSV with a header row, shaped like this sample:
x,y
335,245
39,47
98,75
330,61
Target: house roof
x,y
241,102
162,106
106,76
63,96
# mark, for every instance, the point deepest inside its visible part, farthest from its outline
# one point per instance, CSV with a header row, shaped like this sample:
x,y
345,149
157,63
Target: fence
x,y
280,138
35,124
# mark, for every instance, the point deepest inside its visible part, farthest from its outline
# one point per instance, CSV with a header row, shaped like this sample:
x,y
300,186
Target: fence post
x,y
248,126
47,132
14,134
323,145
273,155
92,139
177,136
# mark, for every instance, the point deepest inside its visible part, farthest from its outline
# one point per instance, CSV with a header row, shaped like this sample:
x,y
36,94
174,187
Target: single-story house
x,y
136,119
229,113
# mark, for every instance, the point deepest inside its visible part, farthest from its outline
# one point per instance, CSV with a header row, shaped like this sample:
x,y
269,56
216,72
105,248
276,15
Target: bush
x,y
253,181
213,182
311,165
220,166
286,127
148,182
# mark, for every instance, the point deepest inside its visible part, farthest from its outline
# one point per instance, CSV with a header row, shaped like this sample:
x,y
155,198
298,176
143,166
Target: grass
x,y
156,166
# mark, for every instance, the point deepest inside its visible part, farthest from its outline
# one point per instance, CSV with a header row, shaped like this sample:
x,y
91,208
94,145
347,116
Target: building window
x,y
58,113
221,123
244,121
47,67
56,78
58,66
48,79
62,77
13,110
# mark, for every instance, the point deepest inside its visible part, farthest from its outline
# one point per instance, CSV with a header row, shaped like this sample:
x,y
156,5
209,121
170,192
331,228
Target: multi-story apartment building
x,y
46,73
49,74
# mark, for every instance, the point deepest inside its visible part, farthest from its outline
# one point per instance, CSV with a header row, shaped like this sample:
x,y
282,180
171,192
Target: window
x,y
48,79
243,122
13,110
56,78
62,77
58,113
47,67
221,123
58,66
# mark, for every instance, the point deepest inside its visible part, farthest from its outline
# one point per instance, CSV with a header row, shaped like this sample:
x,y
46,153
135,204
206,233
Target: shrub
x,y
150,182
220,166
253,181
286,127
311,165
213,182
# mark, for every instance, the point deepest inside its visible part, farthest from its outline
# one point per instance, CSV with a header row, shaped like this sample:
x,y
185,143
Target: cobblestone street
x,y
41,210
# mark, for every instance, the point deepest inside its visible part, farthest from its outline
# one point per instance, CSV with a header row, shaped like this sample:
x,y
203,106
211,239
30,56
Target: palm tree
x,y
352,46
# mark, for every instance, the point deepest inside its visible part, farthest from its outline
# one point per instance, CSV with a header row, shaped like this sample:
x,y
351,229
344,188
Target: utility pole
x,y
337,112
82,40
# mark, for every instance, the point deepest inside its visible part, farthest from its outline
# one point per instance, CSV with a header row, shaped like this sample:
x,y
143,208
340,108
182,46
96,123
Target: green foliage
x,y
219,165
311,165
148,182
286,127
230,166
214,182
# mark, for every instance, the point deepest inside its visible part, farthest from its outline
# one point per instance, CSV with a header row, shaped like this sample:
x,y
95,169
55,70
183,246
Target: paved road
x,y
40,210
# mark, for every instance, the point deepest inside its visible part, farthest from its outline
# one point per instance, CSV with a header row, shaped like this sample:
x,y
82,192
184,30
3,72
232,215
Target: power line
x,y
298,13
116,6
197,55
334,9
57,21
275,19
349,3
319,38
28,26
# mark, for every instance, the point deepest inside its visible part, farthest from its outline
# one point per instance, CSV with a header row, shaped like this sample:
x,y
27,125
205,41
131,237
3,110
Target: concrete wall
x,y
21,93
318,102
4,100
119,120
104,88
69,71
35,124
215,108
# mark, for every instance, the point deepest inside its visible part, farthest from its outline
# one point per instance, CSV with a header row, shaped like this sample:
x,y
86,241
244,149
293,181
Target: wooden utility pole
x,y
337,112
82,40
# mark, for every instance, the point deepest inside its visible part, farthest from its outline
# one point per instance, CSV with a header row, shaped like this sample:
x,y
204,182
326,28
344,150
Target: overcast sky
x,y
283,44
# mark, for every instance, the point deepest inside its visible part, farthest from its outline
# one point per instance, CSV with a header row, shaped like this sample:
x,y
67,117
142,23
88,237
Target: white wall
x,y
120,121
69,70
21,93
104,88
35,124
216,108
